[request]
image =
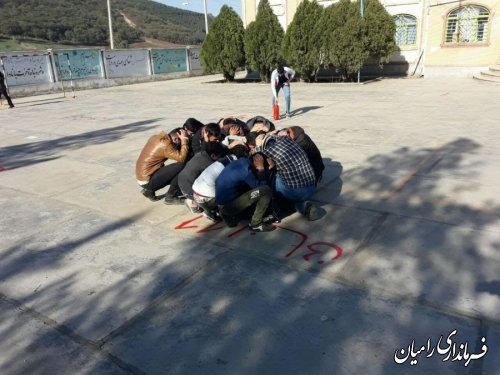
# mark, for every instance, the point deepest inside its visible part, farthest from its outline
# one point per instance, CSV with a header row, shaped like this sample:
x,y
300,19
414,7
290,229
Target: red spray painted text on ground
x,y
314,248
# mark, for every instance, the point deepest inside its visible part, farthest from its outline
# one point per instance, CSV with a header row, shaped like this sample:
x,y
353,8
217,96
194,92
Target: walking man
x,y
3,90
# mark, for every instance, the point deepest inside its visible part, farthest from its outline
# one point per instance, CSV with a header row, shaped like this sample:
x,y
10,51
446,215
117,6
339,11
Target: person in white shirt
x,y
281,78
204,185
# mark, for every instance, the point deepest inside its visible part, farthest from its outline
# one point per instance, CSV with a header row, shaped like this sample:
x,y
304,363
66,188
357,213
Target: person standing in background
x,y
3,90
281,78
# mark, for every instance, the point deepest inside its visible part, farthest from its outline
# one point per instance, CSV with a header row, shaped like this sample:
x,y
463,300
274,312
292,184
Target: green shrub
x,y
380,41
344,39
263,38
301,45
223,49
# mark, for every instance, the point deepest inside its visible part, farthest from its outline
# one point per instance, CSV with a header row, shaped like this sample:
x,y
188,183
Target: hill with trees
x,y
85,22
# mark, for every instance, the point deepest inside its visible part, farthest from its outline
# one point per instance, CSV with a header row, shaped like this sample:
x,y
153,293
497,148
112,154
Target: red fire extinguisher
x,y
276,111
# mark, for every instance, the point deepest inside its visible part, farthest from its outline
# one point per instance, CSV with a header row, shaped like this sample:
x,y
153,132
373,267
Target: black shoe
x,y
311,211
272,219
150,194
230,221
212,216
261,227
171,201
192,206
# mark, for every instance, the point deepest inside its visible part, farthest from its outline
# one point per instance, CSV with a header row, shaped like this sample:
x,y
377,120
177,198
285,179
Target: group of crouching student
x,y
234,170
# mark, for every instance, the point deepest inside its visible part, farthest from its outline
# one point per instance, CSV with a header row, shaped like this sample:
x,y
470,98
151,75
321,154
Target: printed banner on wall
x,y
127,63
85,63
27,69
194,59
169,60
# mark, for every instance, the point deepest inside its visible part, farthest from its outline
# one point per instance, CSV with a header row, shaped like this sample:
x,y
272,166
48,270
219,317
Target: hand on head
x,y
282,132
235,130
258,161
270,163
259,141
259,126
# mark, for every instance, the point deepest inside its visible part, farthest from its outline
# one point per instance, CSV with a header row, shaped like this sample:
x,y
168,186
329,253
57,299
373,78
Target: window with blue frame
x,y
406,30
467,24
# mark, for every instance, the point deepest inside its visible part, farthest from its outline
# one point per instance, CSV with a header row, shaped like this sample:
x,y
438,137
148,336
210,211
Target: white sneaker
x,y
193,209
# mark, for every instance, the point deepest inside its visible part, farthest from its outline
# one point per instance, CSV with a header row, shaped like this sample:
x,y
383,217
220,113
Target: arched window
x,y
406,30
467,24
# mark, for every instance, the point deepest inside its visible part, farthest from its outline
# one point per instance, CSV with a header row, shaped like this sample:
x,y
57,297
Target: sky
x,y
213,6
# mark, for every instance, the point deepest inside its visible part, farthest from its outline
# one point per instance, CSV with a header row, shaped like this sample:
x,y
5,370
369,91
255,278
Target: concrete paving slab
x,y
30,346
416,219
94,273
296,242
442,264
490,363
53,174
118,195
449,201
247,316
32,216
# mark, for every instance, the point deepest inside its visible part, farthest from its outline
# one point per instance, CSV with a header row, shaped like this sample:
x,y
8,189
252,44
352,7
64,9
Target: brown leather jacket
x,y
158,149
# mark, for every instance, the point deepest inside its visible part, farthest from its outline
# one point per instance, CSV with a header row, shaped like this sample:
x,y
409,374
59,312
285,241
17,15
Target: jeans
x,y
297,195
166,175
286,90
260,197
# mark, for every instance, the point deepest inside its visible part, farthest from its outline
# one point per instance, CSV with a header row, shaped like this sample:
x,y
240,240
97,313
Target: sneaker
x,y
171,201
212,216
288,115
150,194
311,211
192,206
272,219
230,221
261,227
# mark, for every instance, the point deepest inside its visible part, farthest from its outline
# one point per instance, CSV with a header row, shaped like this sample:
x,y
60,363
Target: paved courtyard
x,y
404,265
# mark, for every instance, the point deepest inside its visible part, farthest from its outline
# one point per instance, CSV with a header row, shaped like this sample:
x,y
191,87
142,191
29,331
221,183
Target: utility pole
x,y
111,42
206,16
362,12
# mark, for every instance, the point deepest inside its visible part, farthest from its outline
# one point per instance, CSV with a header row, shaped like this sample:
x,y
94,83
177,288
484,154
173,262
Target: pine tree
x,y
263,39
301,45
344,39
223,49
380,29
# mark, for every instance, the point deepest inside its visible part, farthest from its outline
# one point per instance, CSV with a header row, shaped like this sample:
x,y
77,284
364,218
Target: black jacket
x,y
310,148
192,171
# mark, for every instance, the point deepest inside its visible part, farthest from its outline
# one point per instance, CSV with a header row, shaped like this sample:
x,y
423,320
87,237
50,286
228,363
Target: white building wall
x,y
414,8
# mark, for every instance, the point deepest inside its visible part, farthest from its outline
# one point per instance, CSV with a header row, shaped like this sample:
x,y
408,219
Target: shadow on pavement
x,y
406,272
21,155
302,110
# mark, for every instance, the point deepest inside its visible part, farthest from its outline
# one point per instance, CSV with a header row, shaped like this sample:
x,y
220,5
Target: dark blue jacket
x,y
237,178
